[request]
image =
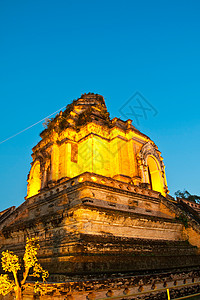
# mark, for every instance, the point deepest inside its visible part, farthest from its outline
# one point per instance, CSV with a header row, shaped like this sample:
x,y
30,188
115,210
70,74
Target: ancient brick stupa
x,y
98,200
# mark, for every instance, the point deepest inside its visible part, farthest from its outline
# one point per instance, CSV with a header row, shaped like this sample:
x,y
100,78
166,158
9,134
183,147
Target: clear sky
x,y
53,51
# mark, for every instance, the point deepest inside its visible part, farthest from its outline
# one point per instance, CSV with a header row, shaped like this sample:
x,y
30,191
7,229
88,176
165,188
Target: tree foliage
x,y
10,263
186,195
6,285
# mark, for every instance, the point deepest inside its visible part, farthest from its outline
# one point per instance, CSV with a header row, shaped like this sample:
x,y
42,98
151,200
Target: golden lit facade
x,y
84,139
98,201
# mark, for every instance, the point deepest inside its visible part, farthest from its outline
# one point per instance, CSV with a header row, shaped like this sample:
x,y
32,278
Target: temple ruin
x,y
98,200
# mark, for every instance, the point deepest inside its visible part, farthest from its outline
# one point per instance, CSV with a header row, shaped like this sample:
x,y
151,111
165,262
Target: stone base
x,y
151,287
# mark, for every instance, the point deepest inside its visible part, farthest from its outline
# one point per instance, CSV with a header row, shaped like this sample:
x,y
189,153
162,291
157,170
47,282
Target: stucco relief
x,y
149,150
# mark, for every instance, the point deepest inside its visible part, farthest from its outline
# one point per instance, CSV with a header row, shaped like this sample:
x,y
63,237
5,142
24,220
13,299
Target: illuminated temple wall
x,y
117,151
97,199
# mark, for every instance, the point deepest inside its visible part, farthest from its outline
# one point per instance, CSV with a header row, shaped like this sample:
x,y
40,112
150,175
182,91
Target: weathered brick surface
x,y
98,201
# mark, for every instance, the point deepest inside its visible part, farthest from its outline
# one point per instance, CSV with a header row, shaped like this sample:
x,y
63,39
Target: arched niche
x,y
152,169
34,181
154,174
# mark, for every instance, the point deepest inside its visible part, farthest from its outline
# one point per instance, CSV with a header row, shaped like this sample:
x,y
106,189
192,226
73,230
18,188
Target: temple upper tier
x,y
83,138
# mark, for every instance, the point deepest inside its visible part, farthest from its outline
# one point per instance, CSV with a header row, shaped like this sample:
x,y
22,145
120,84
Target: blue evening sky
x,y
52,51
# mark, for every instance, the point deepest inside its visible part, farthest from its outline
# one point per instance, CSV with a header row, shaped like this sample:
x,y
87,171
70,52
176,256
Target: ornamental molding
x,y
149,150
